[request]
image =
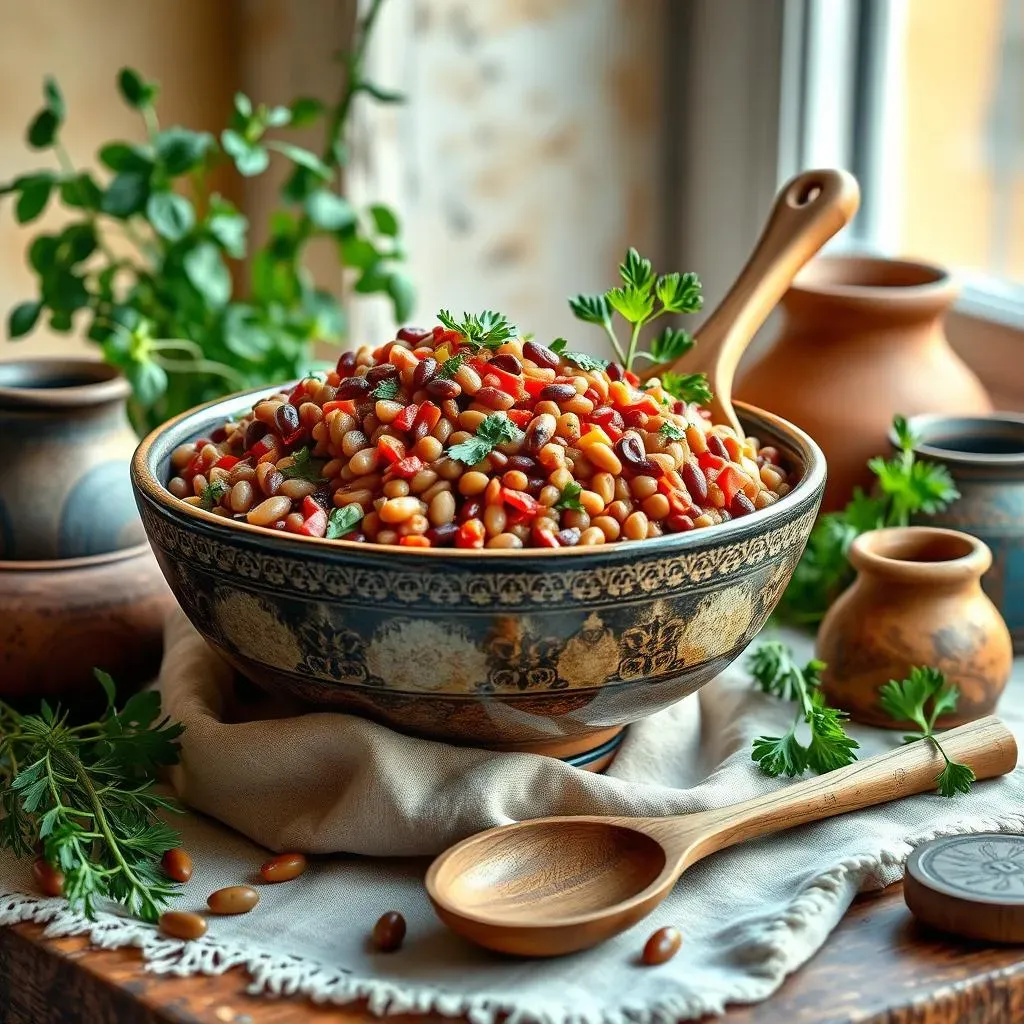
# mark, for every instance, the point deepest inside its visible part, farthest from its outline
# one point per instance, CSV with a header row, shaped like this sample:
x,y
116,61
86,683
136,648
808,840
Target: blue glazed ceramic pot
x,y
65,445
985,455
545,650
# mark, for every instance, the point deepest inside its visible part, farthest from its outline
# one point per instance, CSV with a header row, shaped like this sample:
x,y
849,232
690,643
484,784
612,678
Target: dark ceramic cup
x,y
546,650
65,445
985,455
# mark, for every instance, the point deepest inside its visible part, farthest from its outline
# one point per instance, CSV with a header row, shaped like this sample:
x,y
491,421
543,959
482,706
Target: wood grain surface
x,y
878,967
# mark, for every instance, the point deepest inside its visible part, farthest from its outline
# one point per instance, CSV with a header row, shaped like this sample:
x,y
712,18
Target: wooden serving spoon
x,y
556,885
809,210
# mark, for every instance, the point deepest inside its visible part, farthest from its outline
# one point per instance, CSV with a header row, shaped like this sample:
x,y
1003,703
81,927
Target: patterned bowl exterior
x,y
531,649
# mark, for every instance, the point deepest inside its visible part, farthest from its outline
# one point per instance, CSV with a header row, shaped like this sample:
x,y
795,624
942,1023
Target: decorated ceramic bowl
x,y
532,649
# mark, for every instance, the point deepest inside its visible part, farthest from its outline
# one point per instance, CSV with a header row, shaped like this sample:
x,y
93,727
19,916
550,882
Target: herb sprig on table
x,y
920,698
84,793
905,487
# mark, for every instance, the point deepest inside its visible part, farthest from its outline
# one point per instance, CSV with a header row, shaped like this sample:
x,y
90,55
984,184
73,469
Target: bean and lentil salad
x,y
440,439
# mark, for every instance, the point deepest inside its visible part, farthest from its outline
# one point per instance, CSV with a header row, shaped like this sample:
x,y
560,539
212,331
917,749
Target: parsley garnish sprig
x,y
921,698
85,792
495,430
640,300
304,467
905,487
480,330
775,671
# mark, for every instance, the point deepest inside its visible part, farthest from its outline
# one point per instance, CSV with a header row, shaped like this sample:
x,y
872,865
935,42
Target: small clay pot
x,y
65,446
917,601
60,619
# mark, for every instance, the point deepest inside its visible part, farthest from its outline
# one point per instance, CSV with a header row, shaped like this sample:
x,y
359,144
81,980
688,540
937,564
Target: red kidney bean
x,y
495,398
556,393
414,335
353,387
632,453
606,415
220,434
442,536
540,431
569,537
254,433
322,496
49,879
177,864
741,505
696,482
283,868
661,946
286,419
541,355
679,523
535,483
498,460
471,509
425,372
346,364
507,362
615,371
636,419
383,372
521,462
716,446
444,388
389,931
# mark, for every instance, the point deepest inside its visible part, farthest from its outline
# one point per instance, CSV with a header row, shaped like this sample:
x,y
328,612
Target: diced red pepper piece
x,y
592,394
264,446
195,465
297,392
471,534
345,405
310,506
670,481
315,525
390,449
429,415
201,442
613,431
414,541
731,481
294,436
632,378
521,500
408,467
678,504
227,461
406,418
544,538
635,418
708,461
507,382
517,517
534,386
607,416
520,417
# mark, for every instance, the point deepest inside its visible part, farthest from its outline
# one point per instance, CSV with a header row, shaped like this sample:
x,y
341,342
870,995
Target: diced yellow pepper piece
x,y
595,435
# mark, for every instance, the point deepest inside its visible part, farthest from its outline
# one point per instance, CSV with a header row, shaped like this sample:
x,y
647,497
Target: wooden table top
x,y
878,967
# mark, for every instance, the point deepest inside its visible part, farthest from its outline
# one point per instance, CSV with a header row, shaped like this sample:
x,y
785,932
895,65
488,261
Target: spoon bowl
x,y
557,885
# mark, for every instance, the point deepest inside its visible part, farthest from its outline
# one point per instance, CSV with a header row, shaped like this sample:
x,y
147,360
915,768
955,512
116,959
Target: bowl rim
x,y
148,486
81,562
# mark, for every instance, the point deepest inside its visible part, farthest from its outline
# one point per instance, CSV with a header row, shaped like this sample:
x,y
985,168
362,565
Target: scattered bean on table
x,y
50,880
177,864
389,931
233,899
662,946
180,924
283,868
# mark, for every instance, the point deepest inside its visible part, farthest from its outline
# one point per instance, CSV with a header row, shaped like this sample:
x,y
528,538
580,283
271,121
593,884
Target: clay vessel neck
x,y
925,557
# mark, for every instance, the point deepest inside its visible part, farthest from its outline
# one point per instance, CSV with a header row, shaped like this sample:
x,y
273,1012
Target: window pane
x,y
961,160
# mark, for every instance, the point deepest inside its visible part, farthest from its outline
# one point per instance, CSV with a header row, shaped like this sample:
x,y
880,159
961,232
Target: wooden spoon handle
x,y
808,211
987,745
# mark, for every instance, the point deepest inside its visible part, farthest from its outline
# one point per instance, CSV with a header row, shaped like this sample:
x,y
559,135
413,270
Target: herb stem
x,y
615,344
634,337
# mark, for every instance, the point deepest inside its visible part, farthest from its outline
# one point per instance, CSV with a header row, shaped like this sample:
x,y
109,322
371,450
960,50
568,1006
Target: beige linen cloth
x,y
331,783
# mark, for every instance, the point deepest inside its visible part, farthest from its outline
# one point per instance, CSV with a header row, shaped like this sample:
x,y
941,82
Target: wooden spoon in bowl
x,y
556,885
809,210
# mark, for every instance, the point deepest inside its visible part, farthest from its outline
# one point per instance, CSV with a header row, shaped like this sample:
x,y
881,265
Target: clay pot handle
x,y
809,210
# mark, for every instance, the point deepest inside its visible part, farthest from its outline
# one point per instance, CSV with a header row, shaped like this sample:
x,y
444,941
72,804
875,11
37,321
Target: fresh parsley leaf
x,y
450,366
591,309
343,520
484,330
633,304
680,293
671,344
212,493
777,673
636,272
583,360
922,698
570,497
387,389
558,346
687,387
672,432
495,430
304,467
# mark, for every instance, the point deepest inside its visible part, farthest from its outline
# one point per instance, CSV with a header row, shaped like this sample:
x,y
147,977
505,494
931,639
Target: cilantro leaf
x,y
343,520
680,293
583,360
495,430
687,387
212,493
304,467
672,432
570,497
671,344
636,272
558,346
955,778
484,330
387,389
592,309
450,366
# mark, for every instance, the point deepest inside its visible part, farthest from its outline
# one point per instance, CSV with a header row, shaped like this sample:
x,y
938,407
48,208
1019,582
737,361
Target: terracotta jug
x,y
917,601
862,340
65,445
